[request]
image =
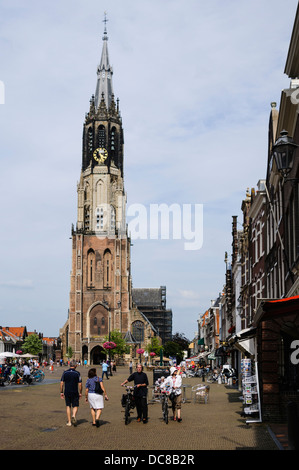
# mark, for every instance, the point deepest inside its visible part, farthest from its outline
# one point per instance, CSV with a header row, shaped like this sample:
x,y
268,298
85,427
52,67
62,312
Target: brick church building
x,y
100,292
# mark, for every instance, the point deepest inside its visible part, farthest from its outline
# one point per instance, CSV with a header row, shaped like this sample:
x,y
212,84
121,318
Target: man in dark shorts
x,y
140,392
71,382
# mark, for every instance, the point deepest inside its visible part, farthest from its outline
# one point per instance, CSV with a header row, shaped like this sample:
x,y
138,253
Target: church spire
x,y
104,72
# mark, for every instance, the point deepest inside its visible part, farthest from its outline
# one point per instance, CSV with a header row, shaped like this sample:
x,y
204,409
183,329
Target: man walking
x,y
140,392
105,370
71,382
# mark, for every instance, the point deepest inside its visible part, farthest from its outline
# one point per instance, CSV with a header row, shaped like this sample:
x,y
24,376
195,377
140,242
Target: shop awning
x,y
243,340
211,356
192,358
246,333
246,346
203,354
269,308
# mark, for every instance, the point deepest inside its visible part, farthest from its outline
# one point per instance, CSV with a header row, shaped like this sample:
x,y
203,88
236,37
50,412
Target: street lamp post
x,y
283,153
109,320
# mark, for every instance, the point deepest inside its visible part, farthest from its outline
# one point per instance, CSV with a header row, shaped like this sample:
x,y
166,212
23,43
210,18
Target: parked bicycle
x,y
128,402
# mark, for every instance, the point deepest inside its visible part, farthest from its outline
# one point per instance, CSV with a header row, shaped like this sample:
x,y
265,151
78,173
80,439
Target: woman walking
x,y
175,382
95,400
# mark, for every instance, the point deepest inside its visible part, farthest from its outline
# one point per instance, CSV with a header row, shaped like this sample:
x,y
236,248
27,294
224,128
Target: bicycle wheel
x,y
127,412
165,410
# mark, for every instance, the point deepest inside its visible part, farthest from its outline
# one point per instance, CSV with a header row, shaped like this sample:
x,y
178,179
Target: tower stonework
x,y
100,292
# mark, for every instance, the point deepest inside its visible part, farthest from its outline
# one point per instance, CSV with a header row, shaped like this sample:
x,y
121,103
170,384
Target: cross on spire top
x,y
105,20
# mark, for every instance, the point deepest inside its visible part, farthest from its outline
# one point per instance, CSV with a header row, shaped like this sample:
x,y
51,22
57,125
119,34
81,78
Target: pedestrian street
x,y
34,418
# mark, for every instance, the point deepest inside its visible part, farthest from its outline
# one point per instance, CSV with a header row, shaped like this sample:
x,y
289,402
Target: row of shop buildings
x,y
256,315
12,341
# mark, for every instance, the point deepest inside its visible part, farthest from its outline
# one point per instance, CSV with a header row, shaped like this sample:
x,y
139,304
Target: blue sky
x,y
195,81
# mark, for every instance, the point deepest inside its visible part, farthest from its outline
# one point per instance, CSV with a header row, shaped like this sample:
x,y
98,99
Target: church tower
x,y
100,293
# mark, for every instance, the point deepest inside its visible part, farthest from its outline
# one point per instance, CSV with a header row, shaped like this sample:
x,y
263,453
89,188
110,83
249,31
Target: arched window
x,y
107,265
113,140
86,217
138,331
90,268
90,141
99,218
114,145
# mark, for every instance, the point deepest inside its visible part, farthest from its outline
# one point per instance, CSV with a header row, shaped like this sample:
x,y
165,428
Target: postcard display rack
x,y
250,389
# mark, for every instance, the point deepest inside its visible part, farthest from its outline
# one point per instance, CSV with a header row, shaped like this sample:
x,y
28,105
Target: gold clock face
x,y
100,155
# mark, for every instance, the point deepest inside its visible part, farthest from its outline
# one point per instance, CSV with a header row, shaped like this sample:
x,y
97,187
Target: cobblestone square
x,y
34,418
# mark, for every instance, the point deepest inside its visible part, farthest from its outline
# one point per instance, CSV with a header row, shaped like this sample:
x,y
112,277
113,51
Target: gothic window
x,y
100,218
90,141
107,268
138,331
112,139
101,137
114,144
98,320
86,217
90,267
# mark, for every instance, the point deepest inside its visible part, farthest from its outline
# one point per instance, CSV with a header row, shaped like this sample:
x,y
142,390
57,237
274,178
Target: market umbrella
x,y
9,354
28,355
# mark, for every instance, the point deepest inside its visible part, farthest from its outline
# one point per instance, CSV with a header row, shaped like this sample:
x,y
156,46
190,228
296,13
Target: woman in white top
x,y
175,382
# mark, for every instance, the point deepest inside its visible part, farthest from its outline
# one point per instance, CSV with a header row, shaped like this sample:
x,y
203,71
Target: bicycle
x,y
38,375
128,402
164,400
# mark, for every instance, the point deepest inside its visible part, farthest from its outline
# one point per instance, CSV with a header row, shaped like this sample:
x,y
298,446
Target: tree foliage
x,y
182,340
177,346
154,346
121,345
69,352
33,344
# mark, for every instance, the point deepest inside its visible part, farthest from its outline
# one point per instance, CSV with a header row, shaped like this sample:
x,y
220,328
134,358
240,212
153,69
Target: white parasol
x,y
9,354
28,355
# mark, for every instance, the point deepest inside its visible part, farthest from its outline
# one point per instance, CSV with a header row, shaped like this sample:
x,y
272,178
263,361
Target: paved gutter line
x,y
279,445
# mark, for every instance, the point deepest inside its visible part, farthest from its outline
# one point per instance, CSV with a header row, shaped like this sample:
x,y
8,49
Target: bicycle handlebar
x,y
129,387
